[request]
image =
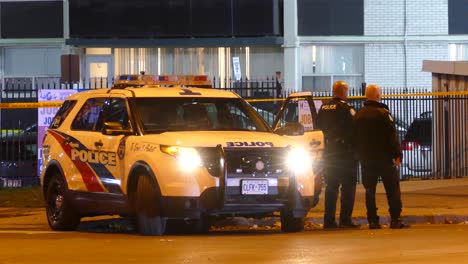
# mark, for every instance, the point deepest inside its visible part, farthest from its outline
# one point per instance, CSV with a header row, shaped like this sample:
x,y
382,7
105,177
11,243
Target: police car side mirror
x,y
115,128
291,129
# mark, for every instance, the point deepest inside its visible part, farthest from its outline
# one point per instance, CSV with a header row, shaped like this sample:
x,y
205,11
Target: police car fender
x,y
172,182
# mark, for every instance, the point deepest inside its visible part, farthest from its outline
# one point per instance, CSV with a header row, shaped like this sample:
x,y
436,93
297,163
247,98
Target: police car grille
x,y
255,161
243,162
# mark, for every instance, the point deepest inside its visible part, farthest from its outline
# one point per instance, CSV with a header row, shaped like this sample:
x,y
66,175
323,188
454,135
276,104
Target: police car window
x,y
114,110
62,113
297,111
186,114
88,115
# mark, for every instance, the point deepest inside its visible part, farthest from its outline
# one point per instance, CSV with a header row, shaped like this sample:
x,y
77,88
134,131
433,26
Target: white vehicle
x,y
417,149
159,154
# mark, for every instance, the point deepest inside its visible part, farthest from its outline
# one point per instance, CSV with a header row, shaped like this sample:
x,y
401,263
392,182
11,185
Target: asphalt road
x,y
419,244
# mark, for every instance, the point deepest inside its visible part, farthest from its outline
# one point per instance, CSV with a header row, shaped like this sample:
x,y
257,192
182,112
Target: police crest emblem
x,y
121,149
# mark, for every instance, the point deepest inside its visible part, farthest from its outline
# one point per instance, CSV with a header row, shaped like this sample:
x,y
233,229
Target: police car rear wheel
x,y
60,214
150,222
289,223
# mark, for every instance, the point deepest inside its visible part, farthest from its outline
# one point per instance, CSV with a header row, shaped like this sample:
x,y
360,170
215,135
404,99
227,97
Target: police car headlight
x,y
298,160
188,159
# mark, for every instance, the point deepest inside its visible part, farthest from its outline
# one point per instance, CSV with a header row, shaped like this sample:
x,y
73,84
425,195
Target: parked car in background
x,y
417,148
18,159
28,134
401,128
18,154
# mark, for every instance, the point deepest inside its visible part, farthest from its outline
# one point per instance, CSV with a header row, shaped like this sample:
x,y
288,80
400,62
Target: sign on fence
x,y
46,115
10,183
237,68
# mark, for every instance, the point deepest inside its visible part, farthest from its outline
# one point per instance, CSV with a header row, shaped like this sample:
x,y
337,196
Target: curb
x,y
410,219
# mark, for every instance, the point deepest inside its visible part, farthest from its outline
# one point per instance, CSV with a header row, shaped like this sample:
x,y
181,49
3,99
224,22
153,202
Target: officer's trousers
x,y
371,170
339,172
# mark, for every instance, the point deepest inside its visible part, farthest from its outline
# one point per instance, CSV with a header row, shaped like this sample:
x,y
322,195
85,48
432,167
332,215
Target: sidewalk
x,y
424,201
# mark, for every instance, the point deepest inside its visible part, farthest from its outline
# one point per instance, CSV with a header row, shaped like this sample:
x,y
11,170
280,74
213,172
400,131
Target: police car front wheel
x,y
60,214
148,207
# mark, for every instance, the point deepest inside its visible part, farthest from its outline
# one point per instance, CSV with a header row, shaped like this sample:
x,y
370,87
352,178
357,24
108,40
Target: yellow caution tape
x,y
265,100
429,94
29,105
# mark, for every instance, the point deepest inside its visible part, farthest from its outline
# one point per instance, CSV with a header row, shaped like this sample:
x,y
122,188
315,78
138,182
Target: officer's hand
x,y
397,161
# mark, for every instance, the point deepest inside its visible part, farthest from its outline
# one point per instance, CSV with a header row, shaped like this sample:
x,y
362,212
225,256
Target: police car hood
x,y
225,138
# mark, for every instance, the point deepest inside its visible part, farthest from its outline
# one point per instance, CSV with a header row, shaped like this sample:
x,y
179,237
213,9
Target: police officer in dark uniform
x,y
336,120
379,152
279,87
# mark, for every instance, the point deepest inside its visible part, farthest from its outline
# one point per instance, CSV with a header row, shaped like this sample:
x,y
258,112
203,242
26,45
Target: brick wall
x,y
417,52
427,17
383,17
385,60
384,64
424,17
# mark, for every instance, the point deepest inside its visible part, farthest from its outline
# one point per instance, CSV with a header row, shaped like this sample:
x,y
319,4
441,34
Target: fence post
x,y
447,139
363,88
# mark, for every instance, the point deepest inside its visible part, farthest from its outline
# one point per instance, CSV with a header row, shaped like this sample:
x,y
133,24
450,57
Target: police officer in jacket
x,y
336,120
379,152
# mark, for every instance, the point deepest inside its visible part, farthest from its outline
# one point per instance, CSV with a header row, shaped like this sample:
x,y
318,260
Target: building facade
x,y
313,42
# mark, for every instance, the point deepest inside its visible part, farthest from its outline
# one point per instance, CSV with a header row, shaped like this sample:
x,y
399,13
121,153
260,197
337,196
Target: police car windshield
x,y
160,115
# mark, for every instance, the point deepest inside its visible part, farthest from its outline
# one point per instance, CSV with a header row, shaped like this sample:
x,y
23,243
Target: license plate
x,y
254,187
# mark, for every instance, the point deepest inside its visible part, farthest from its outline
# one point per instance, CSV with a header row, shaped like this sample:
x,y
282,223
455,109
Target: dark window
x,y
211,18
129,19
174,18
159,115
257,18
458,16
87,117
330,17
115,111
62,113
41,19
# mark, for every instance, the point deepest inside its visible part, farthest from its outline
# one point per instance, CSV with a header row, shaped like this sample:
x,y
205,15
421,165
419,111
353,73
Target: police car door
x,y
80,142
115,126
299,108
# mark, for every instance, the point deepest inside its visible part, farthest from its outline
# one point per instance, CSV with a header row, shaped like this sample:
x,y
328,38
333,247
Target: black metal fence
x,y
431,128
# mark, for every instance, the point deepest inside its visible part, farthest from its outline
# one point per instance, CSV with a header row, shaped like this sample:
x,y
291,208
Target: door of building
x,y
99,71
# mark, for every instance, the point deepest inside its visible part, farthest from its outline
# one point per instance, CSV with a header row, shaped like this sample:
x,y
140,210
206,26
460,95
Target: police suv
x,y
162,154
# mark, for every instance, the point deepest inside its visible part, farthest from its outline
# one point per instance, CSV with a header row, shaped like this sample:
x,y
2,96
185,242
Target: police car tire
x,y
66,219
149,220
290,224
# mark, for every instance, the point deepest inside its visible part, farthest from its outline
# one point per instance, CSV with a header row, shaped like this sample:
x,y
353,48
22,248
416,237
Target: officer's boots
x,y
374,224
397,223
348,224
